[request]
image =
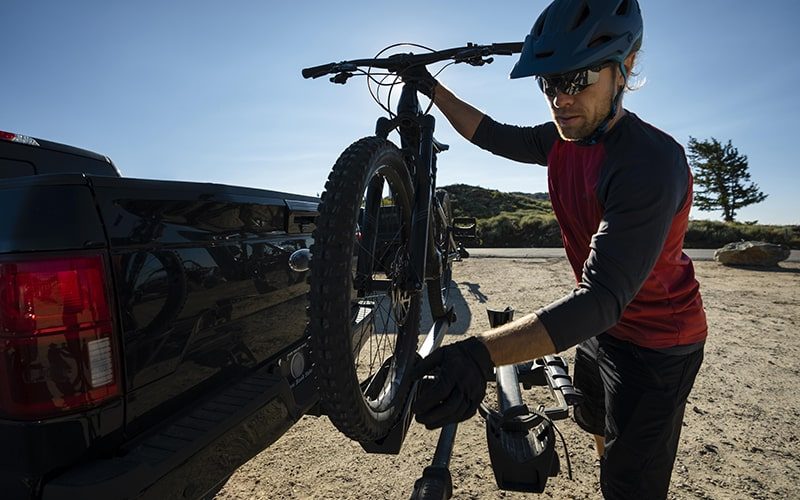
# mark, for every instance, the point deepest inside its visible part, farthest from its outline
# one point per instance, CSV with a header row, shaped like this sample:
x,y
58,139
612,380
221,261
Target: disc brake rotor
x,y
401,298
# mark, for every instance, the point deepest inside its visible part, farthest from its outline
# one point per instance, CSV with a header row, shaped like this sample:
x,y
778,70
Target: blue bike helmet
x,y
572,35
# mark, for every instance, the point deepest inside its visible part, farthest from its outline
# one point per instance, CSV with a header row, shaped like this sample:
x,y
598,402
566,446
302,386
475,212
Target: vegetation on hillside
x,y
714,234
527,220
475,201
507,219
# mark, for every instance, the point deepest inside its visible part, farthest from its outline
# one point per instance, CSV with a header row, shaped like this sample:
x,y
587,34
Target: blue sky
x,y
212,92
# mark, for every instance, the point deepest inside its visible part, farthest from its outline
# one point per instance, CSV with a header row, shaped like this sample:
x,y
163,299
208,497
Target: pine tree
x,y
721,177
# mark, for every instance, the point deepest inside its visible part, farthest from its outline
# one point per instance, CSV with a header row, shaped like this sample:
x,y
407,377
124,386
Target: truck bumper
x,y
188,457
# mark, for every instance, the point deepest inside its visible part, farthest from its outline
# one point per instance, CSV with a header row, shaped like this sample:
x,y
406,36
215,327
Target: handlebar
x,y
471,54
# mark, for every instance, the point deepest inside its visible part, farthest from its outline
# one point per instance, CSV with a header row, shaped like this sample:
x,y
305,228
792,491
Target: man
x,y
622,191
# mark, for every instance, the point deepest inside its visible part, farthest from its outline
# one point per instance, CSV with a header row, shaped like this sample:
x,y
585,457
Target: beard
x,y
583,122
576,123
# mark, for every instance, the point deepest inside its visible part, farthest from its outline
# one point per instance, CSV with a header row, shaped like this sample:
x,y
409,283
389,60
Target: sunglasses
x,y
569,83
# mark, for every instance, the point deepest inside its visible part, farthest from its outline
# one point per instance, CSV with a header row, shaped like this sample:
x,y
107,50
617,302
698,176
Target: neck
x,y
620,113
616,112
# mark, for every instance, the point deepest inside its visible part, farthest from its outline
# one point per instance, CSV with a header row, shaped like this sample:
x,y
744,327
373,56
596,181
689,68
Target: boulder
x,y
751,253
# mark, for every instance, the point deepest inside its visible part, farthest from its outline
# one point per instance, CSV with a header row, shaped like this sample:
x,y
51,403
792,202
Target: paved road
x,y
545,253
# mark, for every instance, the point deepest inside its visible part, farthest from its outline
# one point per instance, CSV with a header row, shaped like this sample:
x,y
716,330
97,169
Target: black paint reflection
x,y
206,292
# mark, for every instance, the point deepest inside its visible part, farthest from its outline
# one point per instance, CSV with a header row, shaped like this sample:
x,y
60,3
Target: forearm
x,y
461,115
521,340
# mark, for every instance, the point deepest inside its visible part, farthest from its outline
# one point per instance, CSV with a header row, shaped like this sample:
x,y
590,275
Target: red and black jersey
x,y
623,208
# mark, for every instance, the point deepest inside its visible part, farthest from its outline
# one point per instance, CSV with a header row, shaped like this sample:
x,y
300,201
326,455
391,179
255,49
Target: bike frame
x,y
417,143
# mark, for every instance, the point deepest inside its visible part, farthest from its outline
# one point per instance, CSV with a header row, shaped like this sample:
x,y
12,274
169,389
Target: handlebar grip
x,y
318,71
507,48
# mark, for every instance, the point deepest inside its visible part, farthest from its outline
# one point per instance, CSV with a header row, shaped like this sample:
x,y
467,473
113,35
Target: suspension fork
x,y
423,196
416,139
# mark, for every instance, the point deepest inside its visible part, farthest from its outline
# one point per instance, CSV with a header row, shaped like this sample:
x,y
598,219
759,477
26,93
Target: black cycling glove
x,y
422,77
461,371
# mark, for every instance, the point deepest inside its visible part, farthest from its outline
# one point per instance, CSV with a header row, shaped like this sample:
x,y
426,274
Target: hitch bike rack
x,y
521,442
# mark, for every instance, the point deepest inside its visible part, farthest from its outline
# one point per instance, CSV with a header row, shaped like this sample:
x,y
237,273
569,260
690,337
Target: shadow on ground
x,y
460,308
762,269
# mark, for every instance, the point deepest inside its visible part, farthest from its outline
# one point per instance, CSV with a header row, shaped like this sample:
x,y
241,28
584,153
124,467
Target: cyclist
x,y
621,191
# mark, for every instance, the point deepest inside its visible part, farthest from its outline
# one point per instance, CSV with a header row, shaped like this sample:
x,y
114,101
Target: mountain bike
x,y
384,232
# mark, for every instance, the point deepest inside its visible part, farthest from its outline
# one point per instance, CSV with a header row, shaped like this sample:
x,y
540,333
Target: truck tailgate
x,y
205,291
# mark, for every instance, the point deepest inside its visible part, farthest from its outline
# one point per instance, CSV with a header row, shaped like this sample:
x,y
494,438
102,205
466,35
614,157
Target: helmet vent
x,y
544,55
623,8
539,26
600,40
584,14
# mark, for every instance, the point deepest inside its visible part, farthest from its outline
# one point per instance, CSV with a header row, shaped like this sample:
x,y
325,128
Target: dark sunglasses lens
x,y
549,87
570,84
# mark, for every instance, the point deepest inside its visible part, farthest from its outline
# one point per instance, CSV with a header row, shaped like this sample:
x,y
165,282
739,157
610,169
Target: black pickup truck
x,y
152,333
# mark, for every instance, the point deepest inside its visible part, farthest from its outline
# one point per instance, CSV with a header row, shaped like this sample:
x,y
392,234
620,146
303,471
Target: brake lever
x,y
479,60
341,78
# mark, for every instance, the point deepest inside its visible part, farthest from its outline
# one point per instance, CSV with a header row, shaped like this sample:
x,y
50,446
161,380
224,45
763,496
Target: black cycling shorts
x,y
635,397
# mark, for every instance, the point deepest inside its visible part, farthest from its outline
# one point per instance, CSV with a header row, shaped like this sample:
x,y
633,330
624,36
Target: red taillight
x,y
56,347
23,139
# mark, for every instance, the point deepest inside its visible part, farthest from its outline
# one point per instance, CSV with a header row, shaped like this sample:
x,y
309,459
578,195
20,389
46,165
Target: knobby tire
x,y
349,214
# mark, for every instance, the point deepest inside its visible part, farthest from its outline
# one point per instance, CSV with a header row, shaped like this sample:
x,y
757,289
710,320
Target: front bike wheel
x,y
441,254
363,321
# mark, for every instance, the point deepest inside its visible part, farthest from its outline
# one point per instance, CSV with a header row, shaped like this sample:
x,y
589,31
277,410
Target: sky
x,y
211,91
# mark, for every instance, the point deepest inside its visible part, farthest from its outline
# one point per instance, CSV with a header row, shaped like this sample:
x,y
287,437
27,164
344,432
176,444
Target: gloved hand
x,y
461,370
420,75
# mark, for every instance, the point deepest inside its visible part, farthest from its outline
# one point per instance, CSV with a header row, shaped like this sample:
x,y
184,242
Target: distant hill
x,y
482,203
506,219
535,196
527,220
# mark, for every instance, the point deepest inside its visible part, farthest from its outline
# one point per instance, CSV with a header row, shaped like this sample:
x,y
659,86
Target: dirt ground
x,y
739,439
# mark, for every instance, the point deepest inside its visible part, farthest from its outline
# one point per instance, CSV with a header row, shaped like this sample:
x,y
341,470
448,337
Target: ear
x,y
629,62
